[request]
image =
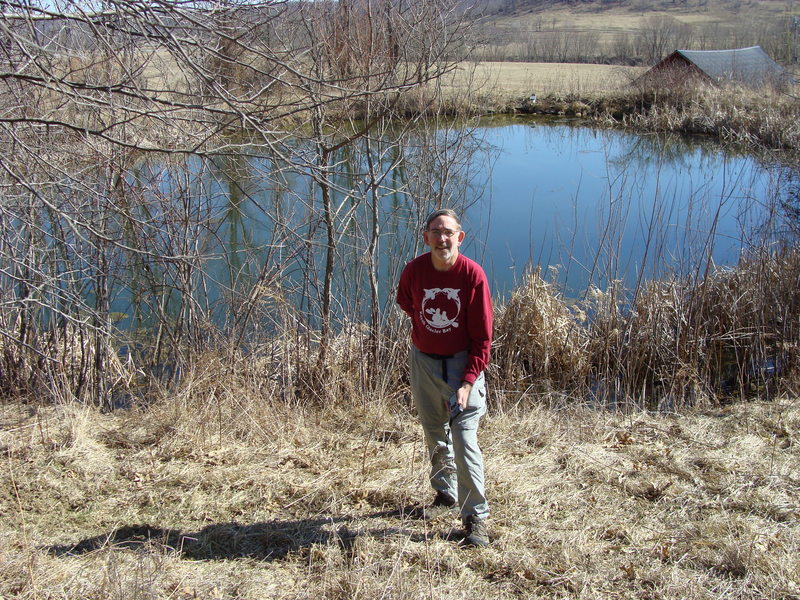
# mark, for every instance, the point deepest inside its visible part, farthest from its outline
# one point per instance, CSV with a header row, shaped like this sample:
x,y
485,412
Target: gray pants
x,y
456,459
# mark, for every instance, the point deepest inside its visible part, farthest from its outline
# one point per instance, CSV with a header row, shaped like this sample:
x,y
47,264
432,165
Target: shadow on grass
x,y
271,540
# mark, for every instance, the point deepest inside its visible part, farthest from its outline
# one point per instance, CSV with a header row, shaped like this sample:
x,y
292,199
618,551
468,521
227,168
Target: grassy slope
x,y
269,502
500,83
629,16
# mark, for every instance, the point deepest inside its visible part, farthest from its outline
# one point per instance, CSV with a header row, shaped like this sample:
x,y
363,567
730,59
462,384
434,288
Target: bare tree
x,y
119,122
661,35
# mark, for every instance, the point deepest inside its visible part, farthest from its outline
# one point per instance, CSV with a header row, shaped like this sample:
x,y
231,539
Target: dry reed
x,y
537,337
674,343
763,118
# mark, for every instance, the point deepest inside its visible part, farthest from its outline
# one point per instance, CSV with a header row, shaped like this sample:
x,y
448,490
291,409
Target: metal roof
x,y
750,66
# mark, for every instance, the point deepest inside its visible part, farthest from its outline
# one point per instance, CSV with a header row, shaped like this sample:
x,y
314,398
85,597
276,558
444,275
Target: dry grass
x,y
749,118
171,502
500,83
718,23
756,119
673,343
632,16
259,481
538,337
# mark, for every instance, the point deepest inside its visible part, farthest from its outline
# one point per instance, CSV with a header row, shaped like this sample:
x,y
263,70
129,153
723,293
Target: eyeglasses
x,y
448,233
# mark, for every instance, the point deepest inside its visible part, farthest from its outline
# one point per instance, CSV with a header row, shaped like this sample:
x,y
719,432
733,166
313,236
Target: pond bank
x,y
734,115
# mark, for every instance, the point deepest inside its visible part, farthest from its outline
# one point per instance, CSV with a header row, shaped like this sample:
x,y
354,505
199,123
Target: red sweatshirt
x,y
450,310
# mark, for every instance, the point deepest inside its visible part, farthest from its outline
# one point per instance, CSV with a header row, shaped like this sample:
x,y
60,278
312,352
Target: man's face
x,y
444,236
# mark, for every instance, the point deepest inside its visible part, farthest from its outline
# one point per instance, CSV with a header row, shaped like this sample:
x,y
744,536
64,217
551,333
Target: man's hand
x,y
462,394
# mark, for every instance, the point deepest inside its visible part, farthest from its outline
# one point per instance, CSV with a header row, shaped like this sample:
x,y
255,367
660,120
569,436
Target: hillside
x,y
707,11
631,31
722,8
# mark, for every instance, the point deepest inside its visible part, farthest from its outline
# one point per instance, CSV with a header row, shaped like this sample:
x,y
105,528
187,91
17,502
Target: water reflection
x,y
246,238
606,205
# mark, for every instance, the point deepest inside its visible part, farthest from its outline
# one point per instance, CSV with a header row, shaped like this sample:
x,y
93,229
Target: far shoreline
x,y
603,95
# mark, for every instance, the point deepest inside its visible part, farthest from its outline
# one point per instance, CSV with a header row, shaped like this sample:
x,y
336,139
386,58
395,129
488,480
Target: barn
x,y
747,66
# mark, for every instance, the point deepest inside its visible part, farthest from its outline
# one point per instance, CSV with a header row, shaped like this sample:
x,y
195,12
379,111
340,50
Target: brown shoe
x,y
477,532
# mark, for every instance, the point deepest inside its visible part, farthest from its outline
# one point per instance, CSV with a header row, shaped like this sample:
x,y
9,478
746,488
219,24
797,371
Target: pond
x,y
598,205
586,206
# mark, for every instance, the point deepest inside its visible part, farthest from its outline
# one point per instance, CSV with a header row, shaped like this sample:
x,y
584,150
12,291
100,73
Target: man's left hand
x,y
462,394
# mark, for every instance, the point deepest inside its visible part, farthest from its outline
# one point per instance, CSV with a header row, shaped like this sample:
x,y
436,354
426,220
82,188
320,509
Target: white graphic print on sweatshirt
x,y
440,309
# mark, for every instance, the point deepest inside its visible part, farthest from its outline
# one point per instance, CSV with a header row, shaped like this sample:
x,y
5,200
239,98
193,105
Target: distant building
x,y
748,66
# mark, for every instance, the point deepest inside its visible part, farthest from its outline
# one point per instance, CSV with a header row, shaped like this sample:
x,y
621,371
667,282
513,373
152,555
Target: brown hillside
x,y
631,31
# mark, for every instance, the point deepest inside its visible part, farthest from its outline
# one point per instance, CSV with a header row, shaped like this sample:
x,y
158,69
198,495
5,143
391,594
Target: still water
x,y
595,205
586,206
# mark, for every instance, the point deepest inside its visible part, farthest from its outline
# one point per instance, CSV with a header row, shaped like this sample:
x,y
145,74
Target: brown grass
x,y
749,118
515,80
538,337
608,18
611,96
264,479
255,478
266,500
713,24
673,343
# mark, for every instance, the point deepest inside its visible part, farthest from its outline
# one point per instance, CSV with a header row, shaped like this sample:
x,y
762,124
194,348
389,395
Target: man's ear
x,y
461,235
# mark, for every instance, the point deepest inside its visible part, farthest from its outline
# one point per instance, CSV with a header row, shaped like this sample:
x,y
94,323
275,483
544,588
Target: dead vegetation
x,y
613,96
284,473
509,81
236,495
258,476
761,118
629,31
673,343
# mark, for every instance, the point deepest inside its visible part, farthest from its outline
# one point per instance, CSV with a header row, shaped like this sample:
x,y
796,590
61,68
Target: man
x,y
447,297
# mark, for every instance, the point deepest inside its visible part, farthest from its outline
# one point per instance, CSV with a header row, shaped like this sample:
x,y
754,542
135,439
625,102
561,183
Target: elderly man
x,y
447,297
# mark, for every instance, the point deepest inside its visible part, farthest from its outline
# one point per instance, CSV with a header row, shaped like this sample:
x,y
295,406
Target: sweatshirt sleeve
x,y
404,298
479,325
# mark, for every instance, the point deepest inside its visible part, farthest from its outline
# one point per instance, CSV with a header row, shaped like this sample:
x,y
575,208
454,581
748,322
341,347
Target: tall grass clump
x,y
734,332
538,339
